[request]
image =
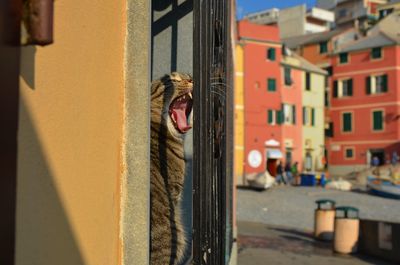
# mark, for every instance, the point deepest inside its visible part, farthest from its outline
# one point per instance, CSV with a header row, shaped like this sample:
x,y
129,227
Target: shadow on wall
x,y
171,30
44,235
28,67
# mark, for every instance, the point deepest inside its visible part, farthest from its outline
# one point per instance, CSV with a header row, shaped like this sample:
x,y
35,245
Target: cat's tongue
x,y
180,117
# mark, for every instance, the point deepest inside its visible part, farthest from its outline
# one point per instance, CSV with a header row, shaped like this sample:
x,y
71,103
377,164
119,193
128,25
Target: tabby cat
x,y
171,105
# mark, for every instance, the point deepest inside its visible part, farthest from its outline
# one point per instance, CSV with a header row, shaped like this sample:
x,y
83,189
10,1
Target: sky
x,y
248,6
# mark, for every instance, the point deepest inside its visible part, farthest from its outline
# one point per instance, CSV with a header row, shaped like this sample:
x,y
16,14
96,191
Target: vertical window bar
x,y
212,183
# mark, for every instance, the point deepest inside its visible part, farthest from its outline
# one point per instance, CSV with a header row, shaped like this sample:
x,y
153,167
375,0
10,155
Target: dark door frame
x,y
10,22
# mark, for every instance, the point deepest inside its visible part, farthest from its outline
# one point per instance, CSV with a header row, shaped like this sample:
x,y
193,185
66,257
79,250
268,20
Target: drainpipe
x,y
37,24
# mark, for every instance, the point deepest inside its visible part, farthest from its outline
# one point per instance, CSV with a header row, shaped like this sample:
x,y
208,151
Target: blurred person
x,y
279,173
288,172
295,172
375,165
395,158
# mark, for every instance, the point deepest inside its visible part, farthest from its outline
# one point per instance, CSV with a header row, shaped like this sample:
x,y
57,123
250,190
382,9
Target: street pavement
x,y
294,206
275,226
261,244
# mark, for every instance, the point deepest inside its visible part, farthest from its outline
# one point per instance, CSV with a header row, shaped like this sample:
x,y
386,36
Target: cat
x,y
171,105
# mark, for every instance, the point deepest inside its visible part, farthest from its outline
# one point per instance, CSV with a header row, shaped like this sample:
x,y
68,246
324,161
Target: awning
x,y
274,154
272,143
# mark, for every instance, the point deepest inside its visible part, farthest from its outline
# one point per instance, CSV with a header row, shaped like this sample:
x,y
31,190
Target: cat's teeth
x,y
190,95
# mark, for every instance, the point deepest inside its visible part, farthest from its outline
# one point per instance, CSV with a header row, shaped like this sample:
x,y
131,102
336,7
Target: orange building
x,y
365,102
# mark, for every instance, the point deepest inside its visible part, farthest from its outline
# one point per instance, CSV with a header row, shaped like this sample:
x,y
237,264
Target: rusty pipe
x,y
38,22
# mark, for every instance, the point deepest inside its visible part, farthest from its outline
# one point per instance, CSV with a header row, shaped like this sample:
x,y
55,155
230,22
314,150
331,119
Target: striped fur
x,y
167,172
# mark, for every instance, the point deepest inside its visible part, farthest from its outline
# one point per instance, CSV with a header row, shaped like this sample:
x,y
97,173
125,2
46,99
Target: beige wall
x,y
70,136
315,134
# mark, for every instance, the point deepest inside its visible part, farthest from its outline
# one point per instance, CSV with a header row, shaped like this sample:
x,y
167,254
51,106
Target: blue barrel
x,y
308,179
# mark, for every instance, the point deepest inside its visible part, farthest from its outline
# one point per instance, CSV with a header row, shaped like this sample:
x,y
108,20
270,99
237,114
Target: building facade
x,y
296,20
387,9
309,86
262,54
347,12
278,125
365,103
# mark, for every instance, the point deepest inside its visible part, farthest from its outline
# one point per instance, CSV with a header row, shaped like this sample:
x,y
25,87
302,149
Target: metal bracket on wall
x,y
37,22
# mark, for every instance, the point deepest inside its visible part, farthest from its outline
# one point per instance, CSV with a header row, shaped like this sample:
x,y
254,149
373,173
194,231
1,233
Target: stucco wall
x,y
292,21
239,116
315,99
70,133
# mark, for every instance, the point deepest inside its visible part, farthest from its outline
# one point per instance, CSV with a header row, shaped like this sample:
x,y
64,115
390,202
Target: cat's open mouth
x,y
179,111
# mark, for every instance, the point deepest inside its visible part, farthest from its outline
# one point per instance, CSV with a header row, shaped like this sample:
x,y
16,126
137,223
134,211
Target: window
x,y
349,153
342,13
343,58
376,84
271,84
343,88
377,120
308,116
308,81
376,53
329,130
272,117
347,122
289,114
308,163
271,54
326,99
289,156
385,12
323,47
288,76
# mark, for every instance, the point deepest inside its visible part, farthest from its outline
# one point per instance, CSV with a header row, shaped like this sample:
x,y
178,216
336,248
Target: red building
x,y
272,99
262,54
365,105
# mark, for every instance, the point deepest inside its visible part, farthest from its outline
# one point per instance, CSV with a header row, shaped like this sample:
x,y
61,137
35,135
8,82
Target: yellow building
x,y
312,85
239,116
313,118
77,97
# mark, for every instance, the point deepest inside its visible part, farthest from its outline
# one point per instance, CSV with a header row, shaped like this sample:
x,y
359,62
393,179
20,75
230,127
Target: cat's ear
x,y
175,76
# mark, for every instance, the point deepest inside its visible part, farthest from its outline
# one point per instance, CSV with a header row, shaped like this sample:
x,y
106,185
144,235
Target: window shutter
x,y
335,88
312,116
308,81
304,115
273,54
270,116
271,85
368,85
350,84
279,117
347,126
385,83
378,120
294,113
288,77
